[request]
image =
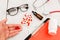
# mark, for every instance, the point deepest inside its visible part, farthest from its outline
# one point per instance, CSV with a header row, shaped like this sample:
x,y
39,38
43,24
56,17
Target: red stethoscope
x,y
54,11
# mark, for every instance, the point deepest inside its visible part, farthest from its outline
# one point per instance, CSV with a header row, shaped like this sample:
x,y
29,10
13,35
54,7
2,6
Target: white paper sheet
x,y
3,6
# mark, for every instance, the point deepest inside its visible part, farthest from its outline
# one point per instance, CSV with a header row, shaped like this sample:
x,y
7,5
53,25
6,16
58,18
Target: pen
x,y
37,15
29,36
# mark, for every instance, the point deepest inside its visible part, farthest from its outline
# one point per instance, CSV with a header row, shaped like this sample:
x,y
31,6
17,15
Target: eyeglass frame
x,y
19,7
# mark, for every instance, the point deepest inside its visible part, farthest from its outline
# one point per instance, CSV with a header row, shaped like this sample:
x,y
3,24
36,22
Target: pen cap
x,y
52,28
3,6
37,15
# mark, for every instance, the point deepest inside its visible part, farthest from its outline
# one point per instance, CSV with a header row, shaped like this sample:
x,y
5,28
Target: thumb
x,y
4,20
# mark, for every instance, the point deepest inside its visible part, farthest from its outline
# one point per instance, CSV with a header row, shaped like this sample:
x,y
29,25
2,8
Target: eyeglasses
x,y
13,11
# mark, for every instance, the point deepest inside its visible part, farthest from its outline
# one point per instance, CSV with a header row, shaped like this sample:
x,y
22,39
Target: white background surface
x,y
3,5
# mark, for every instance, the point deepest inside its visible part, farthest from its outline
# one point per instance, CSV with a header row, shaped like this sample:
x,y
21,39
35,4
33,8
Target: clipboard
x,y
42,34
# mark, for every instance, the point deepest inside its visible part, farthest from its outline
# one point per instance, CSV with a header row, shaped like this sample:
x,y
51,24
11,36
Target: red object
x,y
54,11
42,34
28,23
27,19
17,28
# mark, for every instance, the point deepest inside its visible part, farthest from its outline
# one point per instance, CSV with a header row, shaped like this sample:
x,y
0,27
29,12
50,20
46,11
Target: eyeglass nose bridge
x,y
18,8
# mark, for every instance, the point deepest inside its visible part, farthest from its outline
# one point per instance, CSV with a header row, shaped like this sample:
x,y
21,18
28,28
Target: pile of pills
x,y
27,19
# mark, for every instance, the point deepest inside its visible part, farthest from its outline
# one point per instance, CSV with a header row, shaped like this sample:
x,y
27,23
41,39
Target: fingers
x,y
13,33
4,28
9,29
14,29
2,32
4,20
13,25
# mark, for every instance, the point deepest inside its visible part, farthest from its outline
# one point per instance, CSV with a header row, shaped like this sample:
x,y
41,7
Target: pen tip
x,y
33,12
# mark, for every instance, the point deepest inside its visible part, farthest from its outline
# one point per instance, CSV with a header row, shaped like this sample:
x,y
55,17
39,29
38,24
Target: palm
x,y
8,30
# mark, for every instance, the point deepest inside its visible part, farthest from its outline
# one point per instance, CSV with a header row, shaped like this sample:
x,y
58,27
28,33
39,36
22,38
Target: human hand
x,y
8,30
